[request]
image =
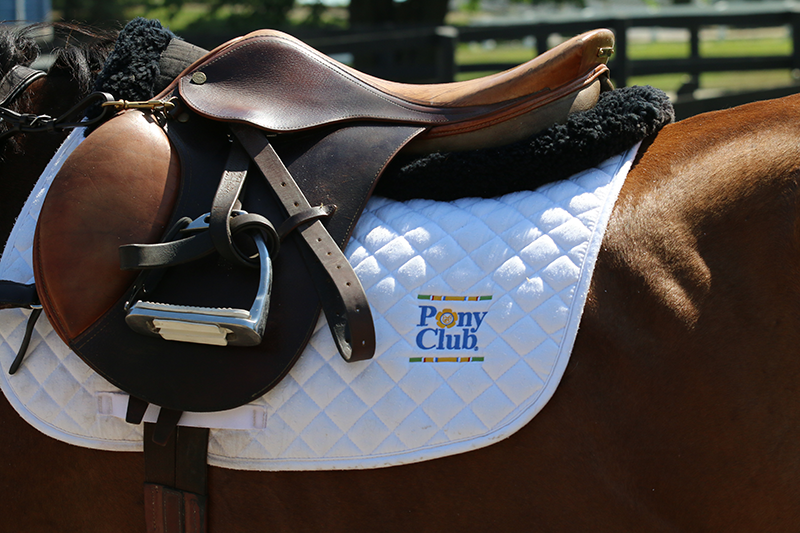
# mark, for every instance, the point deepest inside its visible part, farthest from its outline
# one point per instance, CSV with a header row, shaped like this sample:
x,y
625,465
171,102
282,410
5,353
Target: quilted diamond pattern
x,y
500,358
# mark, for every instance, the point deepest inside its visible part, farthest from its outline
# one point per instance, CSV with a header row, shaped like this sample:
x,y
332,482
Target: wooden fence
x,y
693,21
393,47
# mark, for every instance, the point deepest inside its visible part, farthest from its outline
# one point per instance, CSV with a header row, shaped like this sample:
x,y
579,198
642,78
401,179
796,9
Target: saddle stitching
x,y
517,111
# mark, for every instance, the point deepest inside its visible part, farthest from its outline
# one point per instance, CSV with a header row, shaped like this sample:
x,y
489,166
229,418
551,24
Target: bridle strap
x,y
29,123
16,81
20,78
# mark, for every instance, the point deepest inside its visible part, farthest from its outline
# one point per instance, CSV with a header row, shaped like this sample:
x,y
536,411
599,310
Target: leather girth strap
x,y
176,480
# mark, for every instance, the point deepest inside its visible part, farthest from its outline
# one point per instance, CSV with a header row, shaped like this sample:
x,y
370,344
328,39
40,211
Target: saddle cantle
x,y
172,189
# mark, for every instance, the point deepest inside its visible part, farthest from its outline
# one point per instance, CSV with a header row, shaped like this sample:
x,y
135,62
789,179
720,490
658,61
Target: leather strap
x,y
178,55
14,295
304,217
343,298
136,410
26,340
173,511
225,199
221,227
16,81
176,486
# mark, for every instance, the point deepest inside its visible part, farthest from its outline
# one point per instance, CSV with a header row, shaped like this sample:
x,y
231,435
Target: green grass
x,y
514,52
176,22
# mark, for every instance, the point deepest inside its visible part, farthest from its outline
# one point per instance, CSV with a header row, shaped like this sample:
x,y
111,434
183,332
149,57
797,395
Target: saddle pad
x,y
476,305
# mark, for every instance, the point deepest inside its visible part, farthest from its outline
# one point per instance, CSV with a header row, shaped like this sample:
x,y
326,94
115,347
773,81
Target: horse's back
x,y
677,409
688,343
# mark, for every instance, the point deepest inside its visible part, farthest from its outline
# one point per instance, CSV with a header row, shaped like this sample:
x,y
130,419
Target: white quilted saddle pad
x,y
476,305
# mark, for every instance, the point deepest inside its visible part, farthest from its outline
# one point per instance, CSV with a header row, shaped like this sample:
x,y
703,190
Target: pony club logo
x,y
450,326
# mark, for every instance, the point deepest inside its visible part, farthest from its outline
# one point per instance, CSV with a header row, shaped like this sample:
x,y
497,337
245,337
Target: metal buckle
x,y
208,325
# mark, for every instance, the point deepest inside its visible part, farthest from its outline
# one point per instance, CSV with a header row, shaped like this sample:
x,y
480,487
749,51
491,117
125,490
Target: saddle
x,y
185,250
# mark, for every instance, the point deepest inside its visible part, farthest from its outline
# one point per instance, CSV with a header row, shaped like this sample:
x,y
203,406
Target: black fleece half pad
x,y
146,55
620,119
145,59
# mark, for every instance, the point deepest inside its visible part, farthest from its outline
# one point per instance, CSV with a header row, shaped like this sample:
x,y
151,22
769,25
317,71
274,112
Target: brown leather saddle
x,y
229,201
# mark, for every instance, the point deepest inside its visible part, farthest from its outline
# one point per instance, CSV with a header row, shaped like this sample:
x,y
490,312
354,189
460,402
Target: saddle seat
x,y
312,132
313,89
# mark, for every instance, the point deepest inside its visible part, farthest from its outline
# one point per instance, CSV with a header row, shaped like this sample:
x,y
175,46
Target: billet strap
x,y
341,294
176,480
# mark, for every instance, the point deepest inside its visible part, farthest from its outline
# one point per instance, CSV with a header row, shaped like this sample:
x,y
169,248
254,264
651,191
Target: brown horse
x,y
678,412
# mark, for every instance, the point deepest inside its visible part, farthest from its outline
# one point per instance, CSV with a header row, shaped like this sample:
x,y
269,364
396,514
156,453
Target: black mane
x,y
80,57
17,47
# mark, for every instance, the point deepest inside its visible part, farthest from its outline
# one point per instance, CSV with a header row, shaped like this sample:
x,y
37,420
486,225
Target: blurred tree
x,y
389,12
267,13
223,16
95,12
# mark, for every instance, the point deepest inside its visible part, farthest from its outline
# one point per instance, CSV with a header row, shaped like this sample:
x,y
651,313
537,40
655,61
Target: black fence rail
x,y
396,53
623,67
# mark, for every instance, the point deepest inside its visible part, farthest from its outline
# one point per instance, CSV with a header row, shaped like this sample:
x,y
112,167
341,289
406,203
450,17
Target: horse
x,y
677,412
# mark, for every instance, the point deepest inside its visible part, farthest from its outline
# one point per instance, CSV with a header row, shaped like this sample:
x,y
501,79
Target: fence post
x,y
795,25
446,43
693,82
622,65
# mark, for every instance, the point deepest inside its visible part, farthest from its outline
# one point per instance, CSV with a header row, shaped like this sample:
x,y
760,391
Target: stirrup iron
x,y
209,325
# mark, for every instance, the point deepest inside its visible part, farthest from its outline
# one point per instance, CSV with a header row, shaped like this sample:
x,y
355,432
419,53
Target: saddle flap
x,y
96,205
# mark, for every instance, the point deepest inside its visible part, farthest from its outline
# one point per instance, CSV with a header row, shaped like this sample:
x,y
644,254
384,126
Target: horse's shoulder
x,y
729,176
